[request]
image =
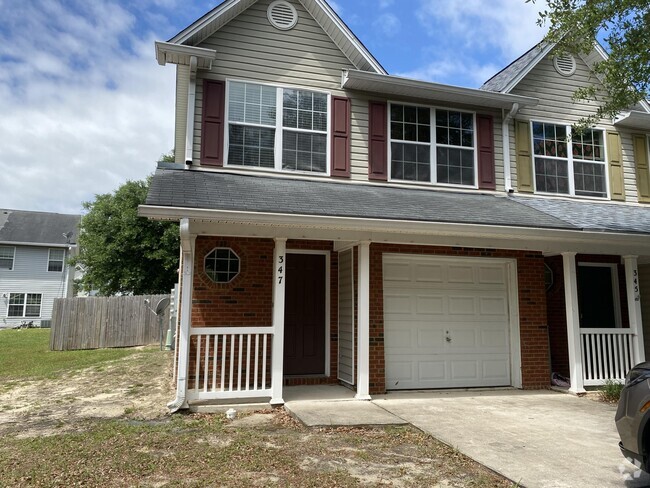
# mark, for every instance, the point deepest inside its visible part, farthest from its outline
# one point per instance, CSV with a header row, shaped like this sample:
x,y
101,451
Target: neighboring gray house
x,y
34,249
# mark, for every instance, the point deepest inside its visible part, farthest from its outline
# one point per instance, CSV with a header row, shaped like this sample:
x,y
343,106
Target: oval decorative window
x,y
282,15
565,64
222,265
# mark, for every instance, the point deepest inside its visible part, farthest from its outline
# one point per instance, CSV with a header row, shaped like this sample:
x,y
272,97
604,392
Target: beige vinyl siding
x,y
182,86
250,48
554,92
644,287
30,275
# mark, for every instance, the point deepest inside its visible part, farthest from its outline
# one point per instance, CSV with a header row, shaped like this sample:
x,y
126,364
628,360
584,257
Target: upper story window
x,y
24,305
7,257
432,145
569,165
277,128
55,260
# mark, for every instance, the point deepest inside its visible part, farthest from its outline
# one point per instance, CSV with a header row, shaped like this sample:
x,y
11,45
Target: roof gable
x,y
324,15
22,227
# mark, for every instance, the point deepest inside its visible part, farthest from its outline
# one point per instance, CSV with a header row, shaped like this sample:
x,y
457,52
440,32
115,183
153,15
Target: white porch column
x,y
363,324
277,370
634,306
573,322
187,274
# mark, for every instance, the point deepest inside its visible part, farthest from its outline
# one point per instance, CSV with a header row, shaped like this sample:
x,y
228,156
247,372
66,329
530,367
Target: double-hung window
x,y
7,257
432,145
572,165
277,128
55,260
24,305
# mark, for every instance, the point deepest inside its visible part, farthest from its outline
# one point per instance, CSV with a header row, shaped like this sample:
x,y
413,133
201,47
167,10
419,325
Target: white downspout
x,y
191,102
505,135
183,351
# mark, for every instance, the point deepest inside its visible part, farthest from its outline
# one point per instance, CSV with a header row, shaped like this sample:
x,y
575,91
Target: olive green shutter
x,y
524,160
615,160
641,164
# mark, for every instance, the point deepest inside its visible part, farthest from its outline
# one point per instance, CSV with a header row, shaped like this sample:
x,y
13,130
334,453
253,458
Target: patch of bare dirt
x,y
138,386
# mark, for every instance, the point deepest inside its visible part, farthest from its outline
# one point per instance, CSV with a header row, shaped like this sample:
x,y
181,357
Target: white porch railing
x,y
230,362
607,354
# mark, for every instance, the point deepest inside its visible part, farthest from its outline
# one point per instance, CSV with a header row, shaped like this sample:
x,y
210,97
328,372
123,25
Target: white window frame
x,y
433,156
570,160
278,129
13,258
205,262
613,267
50,260
24,305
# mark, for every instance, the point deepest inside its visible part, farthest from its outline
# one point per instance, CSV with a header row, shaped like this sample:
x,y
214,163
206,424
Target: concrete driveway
x,y
541,439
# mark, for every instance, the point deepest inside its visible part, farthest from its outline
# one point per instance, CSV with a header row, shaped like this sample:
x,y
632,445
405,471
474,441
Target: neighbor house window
x,y
55,260
7,257
277,128
432,145
222,265
572,165
24,305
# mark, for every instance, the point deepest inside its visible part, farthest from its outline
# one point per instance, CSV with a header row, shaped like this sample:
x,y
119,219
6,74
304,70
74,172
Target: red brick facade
x,y
247,300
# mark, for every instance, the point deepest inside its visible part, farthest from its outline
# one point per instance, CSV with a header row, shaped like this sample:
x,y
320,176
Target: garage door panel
x,y
443,299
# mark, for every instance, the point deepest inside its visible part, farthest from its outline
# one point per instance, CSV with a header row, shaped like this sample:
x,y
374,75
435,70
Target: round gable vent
x,y
565,64
282,15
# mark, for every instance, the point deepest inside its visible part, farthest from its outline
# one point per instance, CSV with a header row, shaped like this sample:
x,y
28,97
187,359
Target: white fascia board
x,y
407,232
398,86
347,33
36,244
634,120
528,68
184,53
187,33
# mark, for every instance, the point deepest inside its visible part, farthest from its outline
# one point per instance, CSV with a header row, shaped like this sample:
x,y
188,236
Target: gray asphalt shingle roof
x,y
222,191
593,216
499,81
37,227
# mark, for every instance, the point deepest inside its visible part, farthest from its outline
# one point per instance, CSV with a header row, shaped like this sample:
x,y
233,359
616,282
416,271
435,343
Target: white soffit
x,y
175,54
406,87
634,120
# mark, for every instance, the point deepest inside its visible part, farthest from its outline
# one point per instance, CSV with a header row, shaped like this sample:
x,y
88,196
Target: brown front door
x,y
304,315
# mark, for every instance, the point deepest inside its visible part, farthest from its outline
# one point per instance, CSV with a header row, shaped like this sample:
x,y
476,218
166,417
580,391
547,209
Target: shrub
x,y
610,392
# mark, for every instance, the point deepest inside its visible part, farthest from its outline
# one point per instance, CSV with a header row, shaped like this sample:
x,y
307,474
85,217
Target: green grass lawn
x,y
25,354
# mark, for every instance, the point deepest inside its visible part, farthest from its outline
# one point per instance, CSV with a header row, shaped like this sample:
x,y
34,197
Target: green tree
x,y
170,157
121,252
624,26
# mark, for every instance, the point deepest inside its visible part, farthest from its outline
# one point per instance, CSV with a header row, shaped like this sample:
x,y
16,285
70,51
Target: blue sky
x,y
85,106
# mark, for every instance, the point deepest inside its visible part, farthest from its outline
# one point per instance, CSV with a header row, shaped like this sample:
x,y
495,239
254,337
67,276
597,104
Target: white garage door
x,y
446,322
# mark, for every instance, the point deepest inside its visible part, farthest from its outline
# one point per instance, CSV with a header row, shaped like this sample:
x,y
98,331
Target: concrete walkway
x,y
541,439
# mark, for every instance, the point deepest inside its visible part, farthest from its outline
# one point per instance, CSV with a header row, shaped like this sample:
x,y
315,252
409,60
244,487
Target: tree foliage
x,y
624,26
121,252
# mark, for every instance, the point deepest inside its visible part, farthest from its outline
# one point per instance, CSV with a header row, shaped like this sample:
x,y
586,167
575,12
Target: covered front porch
x,y
595,305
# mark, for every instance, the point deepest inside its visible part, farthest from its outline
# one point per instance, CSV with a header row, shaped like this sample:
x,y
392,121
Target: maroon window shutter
x,y
486,177
212,125
341,137
378,141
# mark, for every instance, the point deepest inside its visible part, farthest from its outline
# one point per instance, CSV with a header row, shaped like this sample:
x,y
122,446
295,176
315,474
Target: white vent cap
x,y
565,64
282,15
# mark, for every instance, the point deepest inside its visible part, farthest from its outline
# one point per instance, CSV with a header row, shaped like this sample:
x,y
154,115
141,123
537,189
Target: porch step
x,y
224,407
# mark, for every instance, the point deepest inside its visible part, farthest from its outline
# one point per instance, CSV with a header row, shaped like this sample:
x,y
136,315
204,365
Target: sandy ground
x,y
138,386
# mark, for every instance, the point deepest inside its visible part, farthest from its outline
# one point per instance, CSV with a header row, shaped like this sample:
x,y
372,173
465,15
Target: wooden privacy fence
x,y
98,322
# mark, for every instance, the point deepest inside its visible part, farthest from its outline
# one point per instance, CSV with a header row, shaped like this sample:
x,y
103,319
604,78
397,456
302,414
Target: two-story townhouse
x,y
342,225
34,250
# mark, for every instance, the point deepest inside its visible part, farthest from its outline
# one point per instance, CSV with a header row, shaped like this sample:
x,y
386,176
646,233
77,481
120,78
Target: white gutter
x,y
187,249
182,54
634,120
505,136
191,102
35,244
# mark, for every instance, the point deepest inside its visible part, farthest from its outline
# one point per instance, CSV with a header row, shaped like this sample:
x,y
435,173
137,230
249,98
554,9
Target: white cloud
x,y
84,104
453,71
507,25
388,24
383,4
